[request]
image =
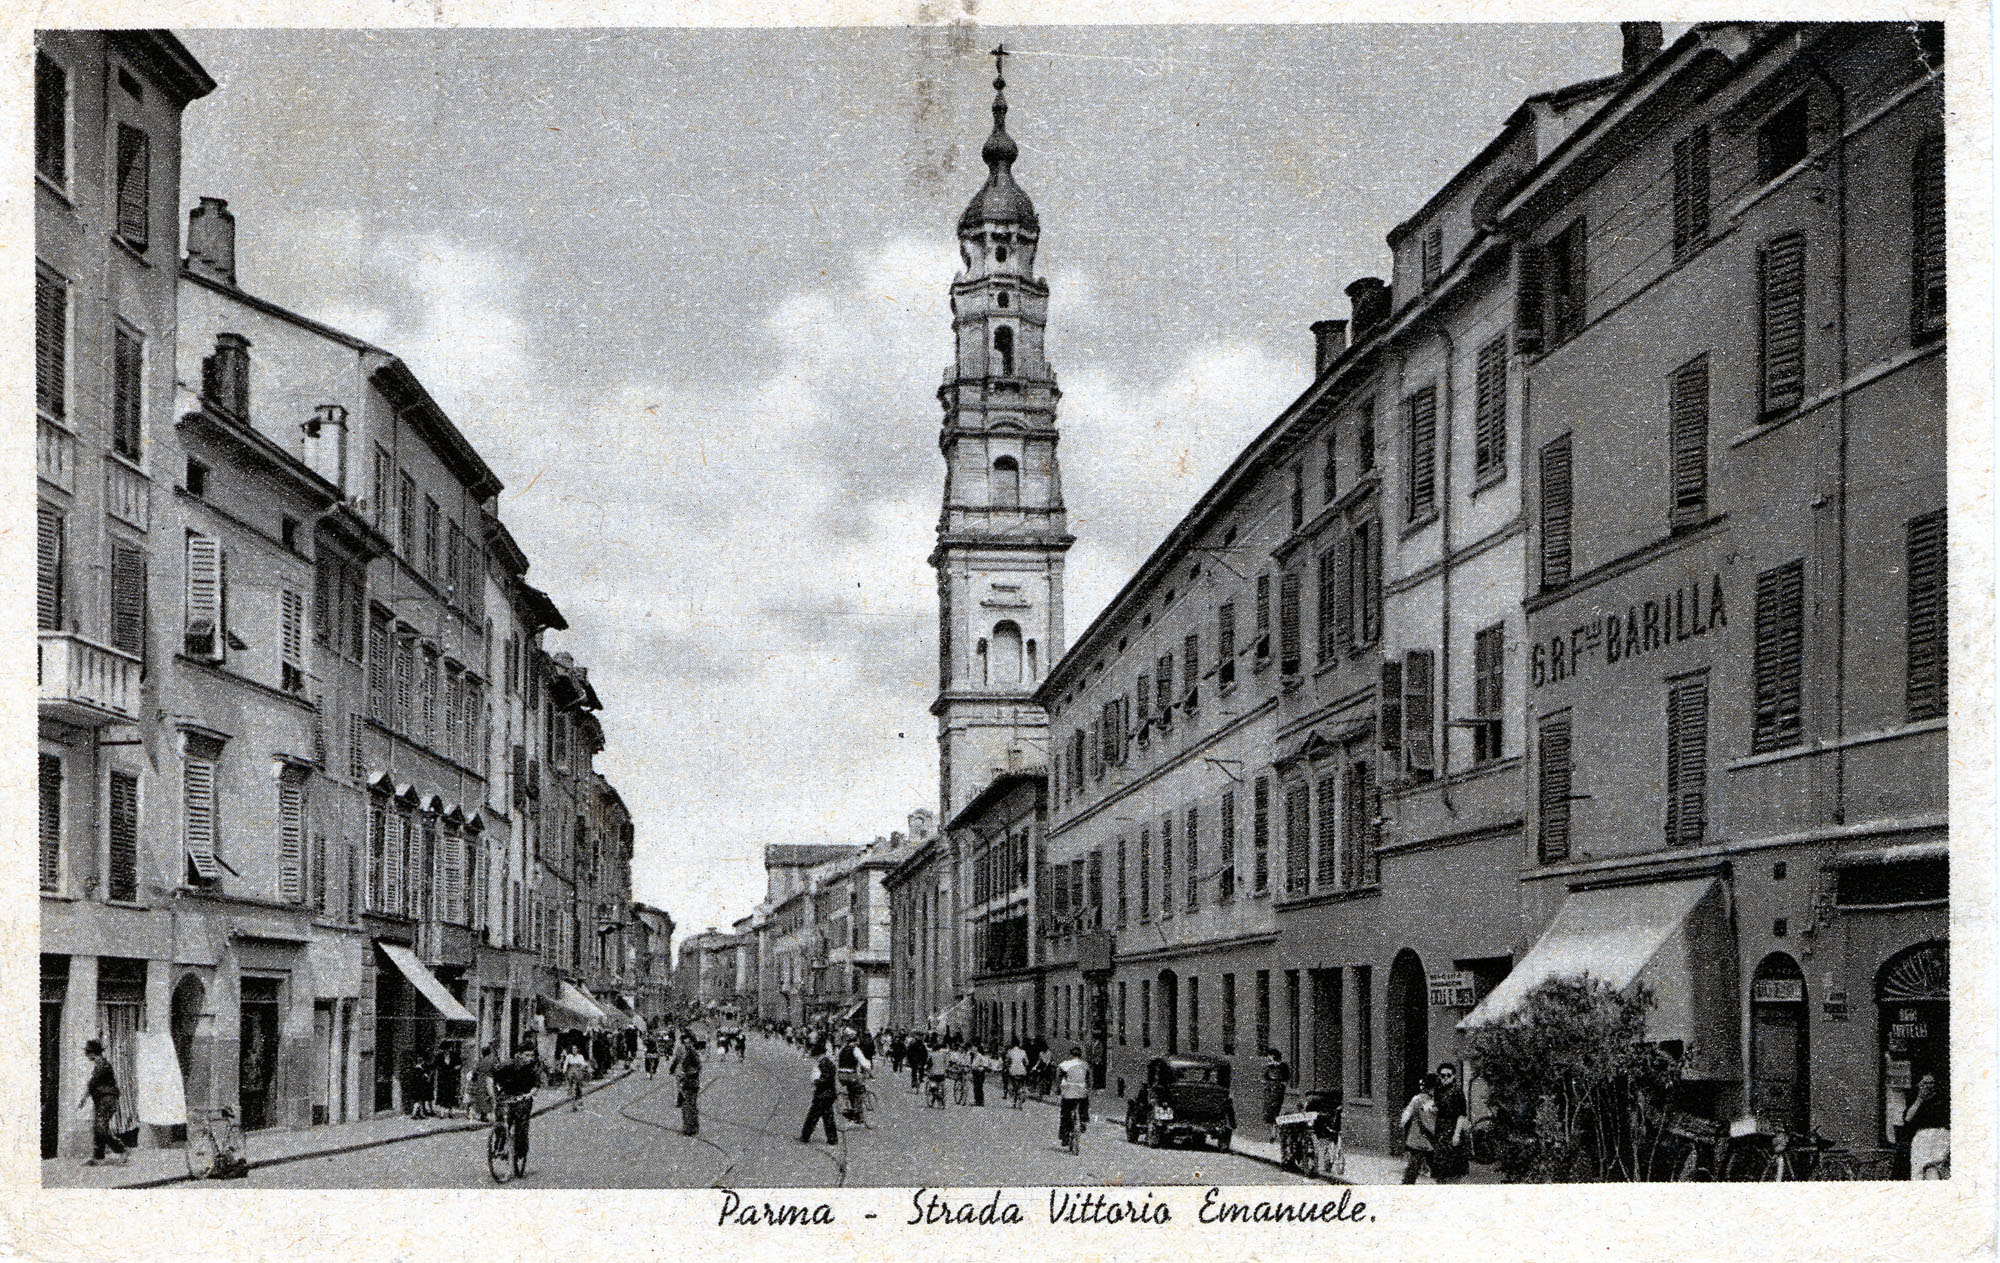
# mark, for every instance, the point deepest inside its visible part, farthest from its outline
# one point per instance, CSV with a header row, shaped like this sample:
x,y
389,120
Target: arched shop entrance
x,y
1912,997
1779,1060
1409,1028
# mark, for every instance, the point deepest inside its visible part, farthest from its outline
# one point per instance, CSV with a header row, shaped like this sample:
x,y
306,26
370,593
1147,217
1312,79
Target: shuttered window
x,y
406,517
51,344
1530,297
454,877
377,856
351,887
1145,875
1389,722
1167,867
1114,742
48,567
1225,644
357,766
291,641
1926,677
1568,281
51,120
1555,513
1927,261
1298,839
1288,624
1687,426
1433,255
1225,825
1329,603
1687,762
291,836
379,653
198,815
49,790
1263,617
1552,787
1419,713
1368,586
128,392
1121,880
1783,285
1260,836
203,632
316,867
1337,606
1780,652
1691,191
1489,435
406,678
1358,828
1420,432
396,839
1191,669
135,175
1163,683
1327,874
1489,654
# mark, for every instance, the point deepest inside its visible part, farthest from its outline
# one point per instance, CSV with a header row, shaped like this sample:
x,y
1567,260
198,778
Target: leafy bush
x,y
1581,1089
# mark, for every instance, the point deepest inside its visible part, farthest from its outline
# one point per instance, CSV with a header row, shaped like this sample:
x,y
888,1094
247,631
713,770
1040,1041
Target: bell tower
x,y
1002,533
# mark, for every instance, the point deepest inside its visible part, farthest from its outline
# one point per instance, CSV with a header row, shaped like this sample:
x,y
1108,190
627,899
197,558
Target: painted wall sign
x,y
1452,989
1688,612
1777,990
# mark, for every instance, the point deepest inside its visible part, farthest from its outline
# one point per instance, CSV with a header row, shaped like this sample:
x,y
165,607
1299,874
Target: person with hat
x,y
100,1092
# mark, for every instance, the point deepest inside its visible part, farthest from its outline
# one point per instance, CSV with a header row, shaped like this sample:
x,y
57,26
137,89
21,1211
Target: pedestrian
x,y
825,1091
417,1082
652,1055
896,1049
480,1090
1277,1077
576,1072
868,1045
1074,1084
981,1063
100,1093
686,1065
1016,1068
1451,1159
854,1066
916,1055
1420,1119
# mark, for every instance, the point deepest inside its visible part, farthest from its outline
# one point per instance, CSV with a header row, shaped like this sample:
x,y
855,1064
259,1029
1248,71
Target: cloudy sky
x,y
686,291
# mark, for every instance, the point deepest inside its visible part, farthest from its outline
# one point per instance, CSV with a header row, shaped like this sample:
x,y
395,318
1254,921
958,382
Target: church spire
x,y
1000,149
1000,203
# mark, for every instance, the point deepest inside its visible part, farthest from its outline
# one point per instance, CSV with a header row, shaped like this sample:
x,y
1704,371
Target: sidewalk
x,y
150,1168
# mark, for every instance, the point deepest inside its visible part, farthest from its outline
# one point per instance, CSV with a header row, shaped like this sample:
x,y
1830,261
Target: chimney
x,y
1370,296
211,241
1329,340
1642,44
225,375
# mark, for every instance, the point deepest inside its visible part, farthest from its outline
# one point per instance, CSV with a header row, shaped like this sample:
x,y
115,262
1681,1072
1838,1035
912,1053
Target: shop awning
x,y
426,982
854,1012
578,1005
1674,936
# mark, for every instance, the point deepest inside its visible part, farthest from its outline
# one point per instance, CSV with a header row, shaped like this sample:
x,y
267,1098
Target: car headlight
x,y
1162,1114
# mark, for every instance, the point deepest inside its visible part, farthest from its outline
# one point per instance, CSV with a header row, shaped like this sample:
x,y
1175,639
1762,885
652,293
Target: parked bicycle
x,y
507,1143
215,1145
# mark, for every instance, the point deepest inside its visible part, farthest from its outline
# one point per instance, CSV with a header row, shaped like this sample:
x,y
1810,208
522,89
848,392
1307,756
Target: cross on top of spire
x,y
999,55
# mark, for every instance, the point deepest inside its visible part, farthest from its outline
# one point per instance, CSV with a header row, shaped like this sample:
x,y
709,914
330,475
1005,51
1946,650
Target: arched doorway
x,y
1779,1061
1408,1027
190,999
1913,1002
1169,992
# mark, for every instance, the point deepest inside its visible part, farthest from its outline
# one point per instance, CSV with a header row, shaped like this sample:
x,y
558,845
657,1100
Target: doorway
x,y
257,1053
1169,992
1912,996
1329,1031
1779,1065
1408,1026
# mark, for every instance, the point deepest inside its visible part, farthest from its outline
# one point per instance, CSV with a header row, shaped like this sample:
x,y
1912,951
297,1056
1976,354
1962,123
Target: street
x,y
628,1136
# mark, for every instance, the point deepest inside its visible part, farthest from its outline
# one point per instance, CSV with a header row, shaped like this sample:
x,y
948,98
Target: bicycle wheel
x,y
499,1155
201,1152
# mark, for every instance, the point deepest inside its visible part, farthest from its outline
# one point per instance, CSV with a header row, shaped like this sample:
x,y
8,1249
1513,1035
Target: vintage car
x,y
1184,1097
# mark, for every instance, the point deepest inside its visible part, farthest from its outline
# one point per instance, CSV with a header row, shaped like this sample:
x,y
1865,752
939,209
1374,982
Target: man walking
x,y
686,1066
1277,1077
1419,1124
1016,1071
100,1092
1454,1129
825,1091
1073,1078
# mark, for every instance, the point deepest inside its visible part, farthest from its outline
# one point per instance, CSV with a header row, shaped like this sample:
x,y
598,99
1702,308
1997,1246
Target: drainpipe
x,y
1444,574
1840,460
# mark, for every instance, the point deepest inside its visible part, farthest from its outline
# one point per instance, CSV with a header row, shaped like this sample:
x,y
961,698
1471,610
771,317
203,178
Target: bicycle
x,y
1017,1092
960,1086
934,1093
1071,1126
860,1097
506,1144
215,1145
1855,1164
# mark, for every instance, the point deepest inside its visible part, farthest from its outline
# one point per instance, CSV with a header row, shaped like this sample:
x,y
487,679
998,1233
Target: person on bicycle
x,y
1073,1079
825,1092
937,1067
854,1066
1016,1070
576,1072
514,1084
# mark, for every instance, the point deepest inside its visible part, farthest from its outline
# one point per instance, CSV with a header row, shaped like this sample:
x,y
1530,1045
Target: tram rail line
x,y
836,1155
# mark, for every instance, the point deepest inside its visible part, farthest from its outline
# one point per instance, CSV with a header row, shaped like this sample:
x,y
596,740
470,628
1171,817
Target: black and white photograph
x,y
1117,610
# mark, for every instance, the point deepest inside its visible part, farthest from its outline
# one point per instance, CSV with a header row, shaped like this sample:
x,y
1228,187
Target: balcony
x,y
85,684
55,454
128,494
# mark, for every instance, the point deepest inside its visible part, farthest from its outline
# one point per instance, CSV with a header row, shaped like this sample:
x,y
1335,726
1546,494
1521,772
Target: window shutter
x,y
1370,595
122,838
1784,304
1780,654
1687,420
1329,602
1489,441
1263,616
1687,762
1225,643
454,876
351,887
1926,678
1556,513
1191,669
1927,265
1096,751
1260,835
1433,256
1298,841
51,344
198,815
1371,827
1419,712
1344,559
1354,826
135,170
1225,888
1420,423
406,671
378,670
319,733
49,789
357,759
395,831
127,392
317,897
291,639
48,567
51,119
1167,866
1389,720
1530,297
291,837
1328,875
1691,191
1144,691
1288,623
1552,788
1164,686
204,597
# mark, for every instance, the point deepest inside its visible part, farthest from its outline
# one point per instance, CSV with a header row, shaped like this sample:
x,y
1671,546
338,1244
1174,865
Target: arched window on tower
x,y
1033,672
1006,658
1003,349
979,664
1006,483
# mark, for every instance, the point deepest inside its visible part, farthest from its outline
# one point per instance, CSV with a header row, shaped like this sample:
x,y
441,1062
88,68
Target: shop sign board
x,y
1452,989
1778,990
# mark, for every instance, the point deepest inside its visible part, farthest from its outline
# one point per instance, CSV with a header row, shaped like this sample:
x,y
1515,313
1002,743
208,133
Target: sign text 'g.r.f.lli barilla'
x,y
1689,611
